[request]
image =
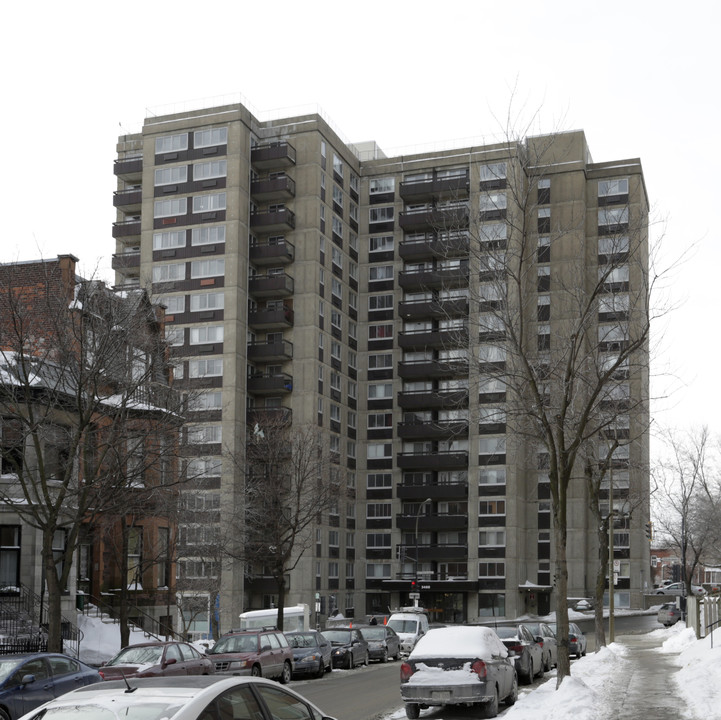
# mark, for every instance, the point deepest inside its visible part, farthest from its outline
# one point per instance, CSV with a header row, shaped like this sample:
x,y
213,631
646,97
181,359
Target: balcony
x,y
266,221
433,399
279,319
429,430
272,155
432,369
435,491
264,253
129,201
437,218
445,337
438,307
433,552
440,460
270,352
438,187
277,188
127,229
432,522
280,285
434,247
270,416
127,263
129,169
437,277
270,384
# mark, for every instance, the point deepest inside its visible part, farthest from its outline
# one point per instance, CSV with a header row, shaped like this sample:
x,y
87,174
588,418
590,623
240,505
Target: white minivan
x,y
410,627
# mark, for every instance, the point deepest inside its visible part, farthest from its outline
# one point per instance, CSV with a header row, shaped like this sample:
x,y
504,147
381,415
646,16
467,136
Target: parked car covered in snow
x,y
156,659
458,666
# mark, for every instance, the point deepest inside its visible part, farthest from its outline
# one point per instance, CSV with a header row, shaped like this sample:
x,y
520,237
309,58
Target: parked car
x,y
458,666
679,588
383,642
259,653
546,638
523,648
182,698
410,627
157,658
576,639
348,647
669,614
311,653
29,680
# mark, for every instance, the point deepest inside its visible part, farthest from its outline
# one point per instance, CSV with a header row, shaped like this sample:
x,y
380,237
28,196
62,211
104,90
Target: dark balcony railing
x,y
432,399
272,221
271,319
277,188
270,155
270,384
437,187
128,200
432,522
446,337
264,253
266,352
438,307
438,429
432,551
264,417
435,491
126,228
126,261
280,285
129,167
448,218
434,247
456,276
431,369
432,460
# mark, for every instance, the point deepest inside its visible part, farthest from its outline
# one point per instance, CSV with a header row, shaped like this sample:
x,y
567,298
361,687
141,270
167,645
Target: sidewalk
x,y
646,688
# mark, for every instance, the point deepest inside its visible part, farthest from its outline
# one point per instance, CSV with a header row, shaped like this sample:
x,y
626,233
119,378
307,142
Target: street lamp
x,y
415,567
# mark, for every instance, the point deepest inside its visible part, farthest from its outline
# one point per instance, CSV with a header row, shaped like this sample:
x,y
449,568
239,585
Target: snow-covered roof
x,y
459,642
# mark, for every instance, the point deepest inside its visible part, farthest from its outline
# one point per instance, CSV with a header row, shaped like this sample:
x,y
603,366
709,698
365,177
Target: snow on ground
x,y
588,692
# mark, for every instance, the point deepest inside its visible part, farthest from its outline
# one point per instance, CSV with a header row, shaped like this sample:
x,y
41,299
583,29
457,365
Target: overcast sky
x,y
641,78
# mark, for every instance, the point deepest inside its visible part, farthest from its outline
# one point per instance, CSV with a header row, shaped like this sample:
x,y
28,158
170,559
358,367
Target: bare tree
x,y
291,480
83,374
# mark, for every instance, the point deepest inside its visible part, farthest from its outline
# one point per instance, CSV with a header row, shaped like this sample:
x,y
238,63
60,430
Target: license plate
x,y
443,696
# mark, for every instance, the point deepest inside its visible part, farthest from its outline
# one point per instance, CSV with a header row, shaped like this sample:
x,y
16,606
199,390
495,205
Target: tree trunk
x,y
564,661
601,582
281,600
54,617
123,567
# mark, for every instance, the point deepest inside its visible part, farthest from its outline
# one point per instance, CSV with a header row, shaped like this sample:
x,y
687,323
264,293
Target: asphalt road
x,y
371,693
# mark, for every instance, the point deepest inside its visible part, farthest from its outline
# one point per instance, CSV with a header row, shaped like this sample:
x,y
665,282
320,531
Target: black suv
x,y
263,653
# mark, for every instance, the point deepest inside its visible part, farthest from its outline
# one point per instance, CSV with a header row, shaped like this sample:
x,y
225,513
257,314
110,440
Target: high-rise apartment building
x,y
324,282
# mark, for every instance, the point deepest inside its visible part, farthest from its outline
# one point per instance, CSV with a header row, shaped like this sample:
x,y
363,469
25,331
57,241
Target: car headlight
x,y
310,658
238,664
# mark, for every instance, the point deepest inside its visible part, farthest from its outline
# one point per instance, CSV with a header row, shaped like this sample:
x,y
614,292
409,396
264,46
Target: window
x,y
379,332
380,420
9,556
376,451
377,186
617,274
381,214
378,510
381,243
380,302
352,387
335,412
351,419
169,272
354,182
608,216
380,272
493,233
204,434
492,537
613,244
171,175
338,227
492,476
207,268
207,301
493,171
492,446
337,257
491,507
612,187
491,569
380,390
337,165
338,196
336,288
492,201
173,304
378,540
169,240
352,361
491,605
206,334
378,362
209,235
211,169
134,557
171,143
170,207
210,137
208,203
174,335
335,350
207,401
379,480
206,367
378,571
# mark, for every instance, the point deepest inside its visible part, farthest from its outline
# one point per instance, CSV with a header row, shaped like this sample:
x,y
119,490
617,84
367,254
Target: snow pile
x,y
699,679
101,640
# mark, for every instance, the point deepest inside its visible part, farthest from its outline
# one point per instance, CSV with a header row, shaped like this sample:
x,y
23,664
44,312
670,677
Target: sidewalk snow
x,y
101,641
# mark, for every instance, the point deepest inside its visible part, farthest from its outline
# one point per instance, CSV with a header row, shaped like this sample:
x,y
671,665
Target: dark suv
x,y
263,653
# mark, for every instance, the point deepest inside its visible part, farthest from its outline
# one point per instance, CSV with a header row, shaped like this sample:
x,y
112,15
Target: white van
x,y
410,627
295,617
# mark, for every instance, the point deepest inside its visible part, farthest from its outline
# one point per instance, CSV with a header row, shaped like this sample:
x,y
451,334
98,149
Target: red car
x,y
157,659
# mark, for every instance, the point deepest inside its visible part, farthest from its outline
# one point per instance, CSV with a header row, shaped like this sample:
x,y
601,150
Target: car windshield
x,y
143,655
535,629
302,640
338,637
7,667
506,632
139,711
374,633
235,644
403,626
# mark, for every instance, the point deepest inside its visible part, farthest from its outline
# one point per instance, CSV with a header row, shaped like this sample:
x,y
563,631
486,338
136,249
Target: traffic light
x,y
413,585
649,530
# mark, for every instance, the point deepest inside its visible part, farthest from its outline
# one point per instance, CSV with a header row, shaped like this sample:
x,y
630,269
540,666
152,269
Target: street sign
x,y
616,565
414,596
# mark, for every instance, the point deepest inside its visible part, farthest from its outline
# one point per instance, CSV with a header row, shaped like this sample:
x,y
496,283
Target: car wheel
x,y
321,669
413,711
384,656
255,671
513,695
366,659
329,667
4,715
541,670
287,673
547,663
351,661
490,708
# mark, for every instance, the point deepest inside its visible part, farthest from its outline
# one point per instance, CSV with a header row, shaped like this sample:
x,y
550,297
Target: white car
x,y
679,588
180,698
